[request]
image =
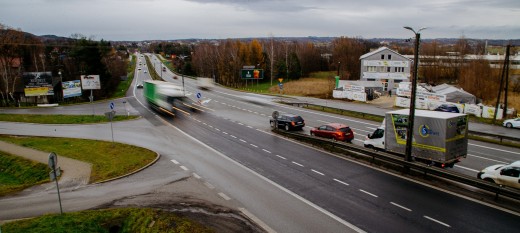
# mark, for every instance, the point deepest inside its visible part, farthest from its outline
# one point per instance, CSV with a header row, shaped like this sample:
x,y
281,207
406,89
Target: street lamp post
x,y
339,63
61,84
411,115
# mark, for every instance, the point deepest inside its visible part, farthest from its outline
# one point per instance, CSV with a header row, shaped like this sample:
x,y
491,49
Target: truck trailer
x,y
439,138
162,96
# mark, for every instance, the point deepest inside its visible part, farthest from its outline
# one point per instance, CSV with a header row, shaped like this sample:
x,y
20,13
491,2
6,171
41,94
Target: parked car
x,y
447,108
507,175
512,123
334,131
288,122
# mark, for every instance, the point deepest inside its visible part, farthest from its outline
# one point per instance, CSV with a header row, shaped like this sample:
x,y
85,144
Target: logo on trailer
x,y
425,131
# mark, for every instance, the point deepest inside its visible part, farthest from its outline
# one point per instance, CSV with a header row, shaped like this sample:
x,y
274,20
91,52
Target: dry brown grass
x,y
513,101
312,87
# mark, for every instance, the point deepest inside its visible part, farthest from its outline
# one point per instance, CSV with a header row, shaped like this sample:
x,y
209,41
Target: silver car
x,y
507,175
512,123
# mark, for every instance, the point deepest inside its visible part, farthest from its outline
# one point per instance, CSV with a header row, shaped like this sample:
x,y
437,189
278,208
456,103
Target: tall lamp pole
x,y
411,115
339,63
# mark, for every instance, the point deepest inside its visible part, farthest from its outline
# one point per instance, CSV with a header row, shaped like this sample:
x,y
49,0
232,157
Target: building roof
x,y
379,50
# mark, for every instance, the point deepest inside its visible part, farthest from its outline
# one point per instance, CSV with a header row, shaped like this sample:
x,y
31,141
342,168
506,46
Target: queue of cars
x,y
333,131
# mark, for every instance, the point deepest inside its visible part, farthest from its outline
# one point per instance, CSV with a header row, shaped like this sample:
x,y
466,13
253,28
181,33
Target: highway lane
x,y
351,191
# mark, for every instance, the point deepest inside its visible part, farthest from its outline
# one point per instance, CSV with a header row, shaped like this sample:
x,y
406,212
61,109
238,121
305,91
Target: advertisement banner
x,y
38,83
489,112
421,95
473,109
354,88
90,82
252,74
71,88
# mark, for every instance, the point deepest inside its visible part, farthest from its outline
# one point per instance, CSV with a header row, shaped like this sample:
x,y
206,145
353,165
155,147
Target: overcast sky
x,y
221,19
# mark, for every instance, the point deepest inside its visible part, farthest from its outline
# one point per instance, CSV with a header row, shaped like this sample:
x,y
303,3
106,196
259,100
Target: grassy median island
x,y
61,119
108,220
17,173
109,160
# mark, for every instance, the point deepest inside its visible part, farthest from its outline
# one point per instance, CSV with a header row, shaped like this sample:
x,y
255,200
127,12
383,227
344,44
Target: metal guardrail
x,y
399,161
306,104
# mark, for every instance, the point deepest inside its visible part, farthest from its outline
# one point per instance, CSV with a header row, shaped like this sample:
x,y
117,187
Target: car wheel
x,y
334,139
489,180
273,125
312,134
349,141
287,128
509,125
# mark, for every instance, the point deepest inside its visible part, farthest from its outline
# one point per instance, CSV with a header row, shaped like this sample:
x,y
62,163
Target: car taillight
x,y
292,123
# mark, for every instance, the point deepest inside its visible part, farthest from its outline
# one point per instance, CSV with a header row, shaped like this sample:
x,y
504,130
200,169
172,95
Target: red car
x,y
335,131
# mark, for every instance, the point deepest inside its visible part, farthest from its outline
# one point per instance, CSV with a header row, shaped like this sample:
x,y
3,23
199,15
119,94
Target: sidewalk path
x,y
74,172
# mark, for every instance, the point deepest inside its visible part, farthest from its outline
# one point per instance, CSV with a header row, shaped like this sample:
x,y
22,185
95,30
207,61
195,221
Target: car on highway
x,y
139,68
502,174
140,85
447,108
288,122
334,131
145,71
512,123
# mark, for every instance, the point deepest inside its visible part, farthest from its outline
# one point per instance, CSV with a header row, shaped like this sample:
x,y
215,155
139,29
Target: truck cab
x,y
376,140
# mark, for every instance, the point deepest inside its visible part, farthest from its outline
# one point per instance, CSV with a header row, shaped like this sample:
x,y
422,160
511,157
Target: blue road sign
x,y
280,85
199,95
112,105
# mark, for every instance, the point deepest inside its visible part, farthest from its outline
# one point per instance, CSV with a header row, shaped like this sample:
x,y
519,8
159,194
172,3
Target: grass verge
x,y
109,160
61,119
109,220
17,173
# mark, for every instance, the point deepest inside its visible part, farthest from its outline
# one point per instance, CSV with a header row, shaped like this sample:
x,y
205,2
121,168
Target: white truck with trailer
x,y
164,96
439,138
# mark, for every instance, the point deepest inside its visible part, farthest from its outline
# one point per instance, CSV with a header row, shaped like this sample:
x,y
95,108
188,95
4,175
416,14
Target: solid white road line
x,y
491,148
371,194
341,182
297,164
480,157
400,206
437,221
317,172
257,220
469,169
326,122
174,161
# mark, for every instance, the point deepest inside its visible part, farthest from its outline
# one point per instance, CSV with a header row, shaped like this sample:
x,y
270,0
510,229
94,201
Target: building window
x,y
382,57
371,68
389,56
395,69
388,69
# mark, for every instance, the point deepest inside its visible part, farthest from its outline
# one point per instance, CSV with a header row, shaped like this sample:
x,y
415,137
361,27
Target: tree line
x,y
65,58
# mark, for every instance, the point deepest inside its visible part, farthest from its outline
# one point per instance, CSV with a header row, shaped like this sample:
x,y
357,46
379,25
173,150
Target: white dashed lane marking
x,y
224,196
400,206
317,172
196,175
279,156
174,161
184,168
437,221
242,140
341,182
233,136
371,194
253,145
266,151
297,164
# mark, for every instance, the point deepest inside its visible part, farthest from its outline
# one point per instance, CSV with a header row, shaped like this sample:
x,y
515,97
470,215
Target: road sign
x,y
275,114
112,105
280,79
54,174
280,85
252,74
53,160
110,115
199,95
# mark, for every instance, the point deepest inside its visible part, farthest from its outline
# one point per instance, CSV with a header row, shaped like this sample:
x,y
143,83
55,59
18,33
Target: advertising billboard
x,y
90,82
38,83
252,74
71,88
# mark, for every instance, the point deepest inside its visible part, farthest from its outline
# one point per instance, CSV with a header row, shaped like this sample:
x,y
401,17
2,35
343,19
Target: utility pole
x,y
504,75
411,115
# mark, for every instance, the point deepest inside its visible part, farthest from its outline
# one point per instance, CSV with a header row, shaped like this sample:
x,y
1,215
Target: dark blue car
x,y
447,108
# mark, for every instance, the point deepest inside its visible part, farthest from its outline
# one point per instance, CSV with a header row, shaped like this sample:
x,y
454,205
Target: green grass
x,y
61,119
17,173
123,219
109,160
261,87
151,70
